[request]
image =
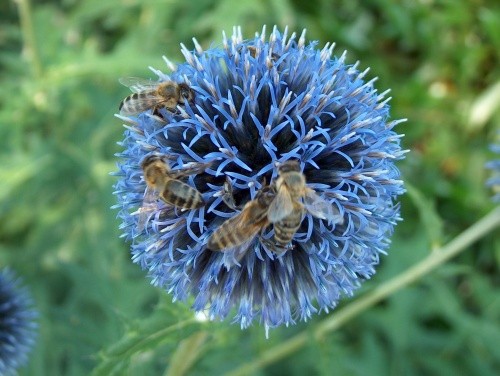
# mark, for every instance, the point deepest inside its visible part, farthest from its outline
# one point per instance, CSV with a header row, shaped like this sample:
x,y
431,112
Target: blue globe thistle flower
x,y
17,323
494,180
258,102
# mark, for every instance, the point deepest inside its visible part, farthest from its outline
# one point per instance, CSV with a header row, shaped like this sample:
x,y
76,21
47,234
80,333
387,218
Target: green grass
x,y
59,66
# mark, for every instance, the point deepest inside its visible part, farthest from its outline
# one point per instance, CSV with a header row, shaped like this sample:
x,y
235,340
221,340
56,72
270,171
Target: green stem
x,y
30,46
431,262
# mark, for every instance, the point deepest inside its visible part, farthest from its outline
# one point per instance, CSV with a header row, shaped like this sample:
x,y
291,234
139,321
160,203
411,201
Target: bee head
x,y
292,165
151,159
266,195
186,92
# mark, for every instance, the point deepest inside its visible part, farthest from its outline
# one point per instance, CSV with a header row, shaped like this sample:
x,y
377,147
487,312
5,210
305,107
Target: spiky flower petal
x,y
17,323
259,102
494,165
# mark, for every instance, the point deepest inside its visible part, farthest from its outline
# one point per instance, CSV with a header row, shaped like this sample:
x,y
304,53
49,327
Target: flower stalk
x,y
30,45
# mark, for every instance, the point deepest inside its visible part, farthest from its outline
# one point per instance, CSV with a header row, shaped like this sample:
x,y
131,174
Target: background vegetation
x,y
59,65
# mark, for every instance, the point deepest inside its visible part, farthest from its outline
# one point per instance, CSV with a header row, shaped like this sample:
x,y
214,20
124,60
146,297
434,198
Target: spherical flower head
x,y
17,323
257,104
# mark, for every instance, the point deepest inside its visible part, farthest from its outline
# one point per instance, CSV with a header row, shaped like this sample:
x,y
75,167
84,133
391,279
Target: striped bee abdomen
x,y
285,229
182,195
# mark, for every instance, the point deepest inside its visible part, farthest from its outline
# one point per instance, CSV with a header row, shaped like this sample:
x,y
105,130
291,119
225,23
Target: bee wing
x,y
281,206
182,195
320,208
149,205
137,84
228,186
240,228
192,168
233,256
228,194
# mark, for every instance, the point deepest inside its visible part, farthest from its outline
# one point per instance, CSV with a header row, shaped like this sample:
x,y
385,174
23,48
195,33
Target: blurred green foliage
x,y
59,65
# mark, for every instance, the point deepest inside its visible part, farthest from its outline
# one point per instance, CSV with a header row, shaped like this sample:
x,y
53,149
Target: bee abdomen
x,y
182,195
223,237
283,235
285,229
136,103
215,242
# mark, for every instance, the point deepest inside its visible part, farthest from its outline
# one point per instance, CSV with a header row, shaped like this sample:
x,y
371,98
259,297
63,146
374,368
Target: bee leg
x,y
279,249
232,205
157,115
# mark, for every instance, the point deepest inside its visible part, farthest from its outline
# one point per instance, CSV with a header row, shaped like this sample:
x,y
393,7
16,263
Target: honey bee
x,y
286,211
238,231
164,183
153,95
